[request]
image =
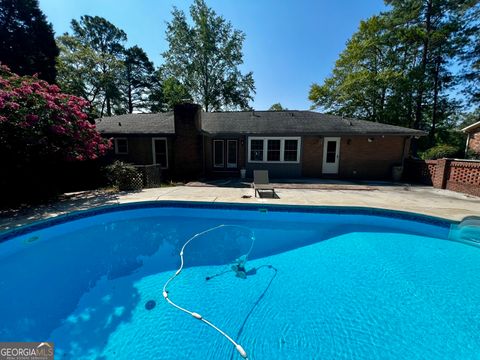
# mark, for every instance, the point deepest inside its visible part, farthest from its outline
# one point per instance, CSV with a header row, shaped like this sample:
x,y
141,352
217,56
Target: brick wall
x,y
362,159
187,143
474,141
456,175
463,176
312,156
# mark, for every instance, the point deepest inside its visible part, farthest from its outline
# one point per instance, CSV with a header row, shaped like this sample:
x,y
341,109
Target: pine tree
x,y
27,43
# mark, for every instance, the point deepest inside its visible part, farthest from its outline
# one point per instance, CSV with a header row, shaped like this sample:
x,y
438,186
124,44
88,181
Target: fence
x,y
451,174
151,175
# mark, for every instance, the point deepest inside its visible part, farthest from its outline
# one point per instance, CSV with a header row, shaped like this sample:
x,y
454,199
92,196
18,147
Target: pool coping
x,y
320,209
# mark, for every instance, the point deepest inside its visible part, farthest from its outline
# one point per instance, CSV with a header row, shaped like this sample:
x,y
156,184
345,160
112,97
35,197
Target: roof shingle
x,y
295,123
160,123
253,122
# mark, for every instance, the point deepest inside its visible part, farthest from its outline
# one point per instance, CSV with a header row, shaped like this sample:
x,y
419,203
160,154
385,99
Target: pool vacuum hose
x,y
197,316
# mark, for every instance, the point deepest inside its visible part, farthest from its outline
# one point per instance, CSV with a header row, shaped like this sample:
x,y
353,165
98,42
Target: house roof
x,y
295,123
286,122
472,127
160,123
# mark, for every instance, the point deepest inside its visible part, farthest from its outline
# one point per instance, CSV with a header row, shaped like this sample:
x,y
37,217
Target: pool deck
x,y
418,199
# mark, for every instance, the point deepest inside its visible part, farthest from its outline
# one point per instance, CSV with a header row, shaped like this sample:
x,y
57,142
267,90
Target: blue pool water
x,y
321,284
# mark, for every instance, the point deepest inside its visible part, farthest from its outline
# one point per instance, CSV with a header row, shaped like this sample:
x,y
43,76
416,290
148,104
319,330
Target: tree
x,y
205,58
27,43
90,62
38,123
470,57
277,107
397,67
138,73
166,92
364,74
433,27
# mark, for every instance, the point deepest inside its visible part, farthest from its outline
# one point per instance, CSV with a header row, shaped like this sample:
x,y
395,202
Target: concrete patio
x,y
419,199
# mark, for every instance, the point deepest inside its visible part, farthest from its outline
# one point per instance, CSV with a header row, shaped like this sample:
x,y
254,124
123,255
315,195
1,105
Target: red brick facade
x,y
371,157
187,142
474,141
456,175
312,156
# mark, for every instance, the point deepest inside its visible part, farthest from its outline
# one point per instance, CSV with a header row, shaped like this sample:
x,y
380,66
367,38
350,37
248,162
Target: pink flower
x,y
3,119
14,105
57,129
54,88
32,118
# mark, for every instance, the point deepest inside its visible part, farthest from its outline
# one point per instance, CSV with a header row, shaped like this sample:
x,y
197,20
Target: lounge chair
x,y
261,182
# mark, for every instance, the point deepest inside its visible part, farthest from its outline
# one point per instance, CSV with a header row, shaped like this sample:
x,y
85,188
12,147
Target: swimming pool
x,y
321,283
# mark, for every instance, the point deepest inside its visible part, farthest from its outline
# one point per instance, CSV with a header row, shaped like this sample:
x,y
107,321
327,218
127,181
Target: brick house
x,y
473,138
189,143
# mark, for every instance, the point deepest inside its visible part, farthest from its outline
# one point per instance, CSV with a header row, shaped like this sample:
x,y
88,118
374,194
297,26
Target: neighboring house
x,y
188,143
473,137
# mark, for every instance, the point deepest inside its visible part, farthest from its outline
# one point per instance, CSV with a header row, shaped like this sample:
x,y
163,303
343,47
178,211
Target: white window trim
x,y
282,148
235,164
223,154
116,146
154,153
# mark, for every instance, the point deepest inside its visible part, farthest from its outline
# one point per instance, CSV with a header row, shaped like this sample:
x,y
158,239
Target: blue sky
x,y
289,44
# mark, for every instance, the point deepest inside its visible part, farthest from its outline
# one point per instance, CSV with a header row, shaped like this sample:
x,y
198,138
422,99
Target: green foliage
x,y
90,62
440,152
470,56
38,123
397,67
27,44
137,79
124,176
472,155
166,92
277,107
205,58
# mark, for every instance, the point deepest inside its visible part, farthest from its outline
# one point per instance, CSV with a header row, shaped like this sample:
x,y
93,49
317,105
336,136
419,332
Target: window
x,y
290,151
256,150
121,146
331,151
274,149
218,159
160,152
231,153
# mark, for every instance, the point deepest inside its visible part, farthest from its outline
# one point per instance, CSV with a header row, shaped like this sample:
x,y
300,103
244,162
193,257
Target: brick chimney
x,y
188,149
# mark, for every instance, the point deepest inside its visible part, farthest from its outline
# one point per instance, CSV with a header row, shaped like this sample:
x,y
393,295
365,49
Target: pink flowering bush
x,y
39,122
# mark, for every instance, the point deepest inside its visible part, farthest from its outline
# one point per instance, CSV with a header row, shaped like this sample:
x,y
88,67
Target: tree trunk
x,y
421,75
109,106
103,108
129,91
436,89
423,67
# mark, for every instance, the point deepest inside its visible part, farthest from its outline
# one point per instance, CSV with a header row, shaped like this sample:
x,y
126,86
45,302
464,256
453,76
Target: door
x,y
331,155
231,154
160,152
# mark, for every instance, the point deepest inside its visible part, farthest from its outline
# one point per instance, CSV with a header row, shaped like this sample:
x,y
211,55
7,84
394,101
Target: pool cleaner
x,y
238,268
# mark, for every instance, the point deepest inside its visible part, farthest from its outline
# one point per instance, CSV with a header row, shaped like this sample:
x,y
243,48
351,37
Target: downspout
x,y
203,155
404,148
466,144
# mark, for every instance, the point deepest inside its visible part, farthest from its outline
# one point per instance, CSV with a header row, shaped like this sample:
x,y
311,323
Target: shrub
x,y
38,122
124,176
472,155
441,151
41,131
